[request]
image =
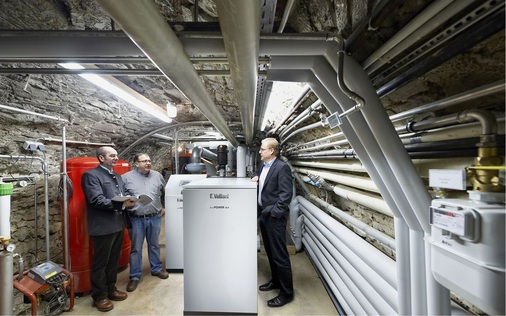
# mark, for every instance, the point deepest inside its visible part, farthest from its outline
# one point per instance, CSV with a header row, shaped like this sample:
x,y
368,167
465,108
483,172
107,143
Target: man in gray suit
x,y
275,191
107,220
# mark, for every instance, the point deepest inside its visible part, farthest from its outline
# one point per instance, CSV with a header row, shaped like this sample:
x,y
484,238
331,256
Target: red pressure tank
x,y
80,246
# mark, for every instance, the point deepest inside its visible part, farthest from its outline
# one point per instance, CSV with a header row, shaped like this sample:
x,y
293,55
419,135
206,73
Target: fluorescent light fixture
x,y
171,110
280,100
122,91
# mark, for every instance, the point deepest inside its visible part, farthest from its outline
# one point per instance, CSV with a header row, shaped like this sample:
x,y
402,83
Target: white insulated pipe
x,y
349,180
346,286
374,258
369,298
353,166
354,255
5,216
241,161
314,253
402,258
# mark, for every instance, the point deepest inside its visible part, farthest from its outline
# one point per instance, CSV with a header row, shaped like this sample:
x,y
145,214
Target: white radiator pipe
x,y
349,180
241,161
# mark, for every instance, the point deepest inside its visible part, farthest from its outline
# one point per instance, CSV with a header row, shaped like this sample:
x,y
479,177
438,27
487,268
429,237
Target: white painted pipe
x,y
373,258
371,201
402,258
437,295
368,297
417,267
349,289
241,161
353,166
349,180
312,250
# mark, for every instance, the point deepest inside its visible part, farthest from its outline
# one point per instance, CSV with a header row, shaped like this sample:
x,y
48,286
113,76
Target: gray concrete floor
x,y
165,297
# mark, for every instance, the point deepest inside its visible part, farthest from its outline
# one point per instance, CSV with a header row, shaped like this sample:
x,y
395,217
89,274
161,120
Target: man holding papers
x,y
146,218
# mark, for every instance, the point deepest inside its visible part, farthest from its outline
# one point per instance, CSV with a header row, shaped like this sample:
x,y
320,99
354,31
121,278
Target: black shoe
x,y
269,286
132,285
279,301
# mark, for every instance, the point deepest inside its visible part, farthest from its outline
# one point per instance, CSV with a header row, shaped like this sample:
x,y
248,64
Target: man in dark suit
x,y
106,222
275,191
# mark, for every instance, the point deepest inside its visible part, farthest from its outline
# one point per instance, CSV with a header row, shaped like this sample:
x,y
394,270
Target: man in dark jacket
x,y
275,191
106,222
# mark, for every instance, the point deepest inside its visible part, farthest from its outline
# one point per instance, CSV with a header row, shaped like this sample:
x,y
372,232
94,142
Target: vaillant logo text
x,y
219,196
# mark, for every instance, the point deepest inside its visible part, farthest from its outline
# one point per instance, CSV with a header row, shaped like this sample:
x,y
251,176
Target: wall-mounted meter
x,y
468,251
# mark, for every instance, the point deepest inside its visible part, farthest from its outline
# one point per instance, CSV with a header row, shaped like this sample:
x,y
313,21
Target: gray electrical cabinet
x,y
220,246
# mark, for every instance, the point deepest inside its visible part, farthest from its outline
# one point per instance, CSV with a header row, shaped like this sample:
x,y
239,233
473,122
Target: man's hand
x,y
128,203
162,211
254,179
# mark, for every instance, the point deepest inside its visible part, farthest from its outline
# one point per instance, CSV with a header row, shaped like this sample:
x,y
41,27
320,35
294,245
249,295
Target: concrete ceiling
x,y
29,32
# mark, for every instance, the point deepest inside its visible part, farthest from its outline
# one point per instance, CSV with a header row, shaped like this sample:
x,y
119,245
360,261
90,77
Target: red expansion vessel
x,y
80,246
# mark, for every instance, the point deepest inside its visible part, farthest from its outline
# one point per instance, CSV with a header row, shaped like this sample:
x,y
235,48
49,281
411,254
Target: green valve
x,y
6,188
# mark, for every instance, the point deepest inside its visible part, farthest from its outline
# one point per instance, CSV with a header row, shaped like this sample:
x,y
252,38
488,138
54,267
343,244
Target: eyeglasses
x,y
144,161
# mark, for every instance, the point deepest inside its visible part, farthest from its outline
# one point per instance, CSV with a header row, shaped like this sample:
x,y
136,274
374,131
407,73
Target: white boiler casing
x,y
220,253
174,219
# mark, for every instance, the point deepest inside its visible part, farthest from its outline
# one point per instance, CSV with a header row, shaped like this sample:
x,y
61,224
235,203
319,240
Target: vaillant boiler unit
x,y
174,219
220,246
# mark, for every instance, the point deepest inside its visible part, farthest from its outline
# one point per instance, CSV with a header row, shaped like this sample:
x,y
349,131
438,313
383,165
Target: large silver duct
x,y
240,26
142,22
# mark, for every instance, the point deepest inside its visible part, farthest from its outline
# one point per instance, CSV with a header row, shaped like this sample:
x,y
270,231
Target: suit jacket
x,y
104,215
277,191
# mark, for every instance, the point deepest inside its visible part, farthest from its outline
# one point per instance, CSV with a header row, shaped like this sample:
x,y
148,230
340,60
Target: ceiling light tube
x,y
122,91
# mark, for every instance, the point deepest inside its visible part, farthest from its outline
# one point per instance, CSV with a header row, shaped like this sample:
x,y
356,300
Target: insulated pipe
x,y
369,298
470,95
142,22
297,101
390,171
46,194
349,180
403,266
240,26
339,276
313,253
302,129
408,180
373,258
304,115
372,232
372,156
319,140
331,103
337,143
463,131
416,23
241,161
341,165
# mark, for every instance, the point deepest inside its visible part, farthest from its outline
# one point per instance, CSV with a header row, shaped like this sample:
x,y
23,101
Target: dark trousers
x,y
273,232
104,264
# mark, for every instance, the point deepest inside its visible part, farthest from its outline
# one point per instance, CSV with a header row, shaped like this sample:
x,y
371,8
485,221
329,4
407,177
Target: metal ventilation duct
x,y
142,22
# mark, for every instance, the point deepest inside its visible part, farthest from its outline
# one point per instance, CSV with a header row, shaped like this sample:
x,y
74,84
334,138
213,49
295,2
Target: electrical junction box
x,y
468,251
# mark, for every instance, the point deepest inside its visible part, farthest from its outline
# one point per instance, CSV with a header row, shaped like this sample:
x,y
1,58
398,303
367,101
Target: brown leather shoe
x,y
132,285
118,296
162,274
103,305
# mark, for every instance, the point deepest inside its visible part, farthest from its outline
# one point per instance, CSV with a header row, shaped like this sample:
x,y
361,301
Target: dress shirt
x,y
261,179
